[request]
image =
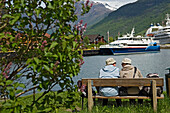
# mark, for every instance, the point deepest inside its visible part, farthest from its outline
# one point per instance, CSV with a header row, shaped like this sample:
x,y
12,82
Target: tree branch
x,y
45,92
26,91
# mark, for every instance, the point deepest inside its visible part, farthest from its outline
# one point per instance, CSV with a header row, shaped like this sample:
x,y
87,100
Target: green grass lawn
x,y
162,107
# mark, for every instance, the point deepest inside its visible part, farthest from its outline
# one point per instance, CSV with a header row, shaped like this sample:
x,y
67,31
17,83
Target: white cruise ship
x,y
161,33
129,44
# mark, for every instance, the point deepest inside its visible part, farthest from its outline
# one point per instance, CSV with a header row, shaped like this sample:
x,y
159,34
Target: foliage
x,y
47,103
86,42
110,39
38,61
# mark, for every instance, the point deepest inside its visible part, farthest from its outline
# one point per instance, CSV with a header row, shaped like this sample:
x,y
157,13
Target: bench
x,y
97,82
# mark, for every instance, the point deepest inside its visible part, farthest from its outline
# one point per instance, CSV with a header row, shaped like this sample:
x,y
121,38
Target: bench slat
x,y
124,81
127,97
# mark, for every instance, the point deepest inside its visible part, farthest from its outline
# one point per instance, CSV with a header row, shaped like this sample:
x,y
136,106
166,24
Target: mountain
x,y
139,14
112,4
97,12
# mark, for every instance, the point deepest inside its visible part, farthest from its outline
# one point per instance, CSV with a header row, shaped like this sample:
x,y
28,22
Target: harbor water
x,y
153,62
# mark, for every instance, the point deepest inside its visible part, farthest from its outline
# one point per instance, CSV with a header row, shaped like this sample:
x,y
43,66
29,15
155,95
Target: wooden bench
x,y
153,82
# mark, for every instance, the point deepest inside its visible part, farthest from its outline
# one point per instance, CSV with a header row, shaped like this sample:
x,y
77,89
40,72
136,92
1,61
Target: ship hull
x,y
128,50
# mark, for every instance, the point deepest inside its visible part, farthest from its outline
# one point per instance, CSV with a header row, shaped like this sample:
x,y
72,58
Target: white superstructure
x,y
129,44
161,33
130,40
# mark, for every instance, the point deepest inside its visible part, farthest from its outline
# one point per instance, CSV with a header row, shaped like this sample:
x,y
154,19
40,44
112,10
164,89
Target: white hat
x,y
110,61
126,61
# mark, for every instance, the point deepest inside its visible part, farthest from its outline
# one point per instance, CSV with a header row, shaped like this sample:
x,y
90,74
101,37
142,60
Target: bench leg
x,y
82,102
90,99
154,92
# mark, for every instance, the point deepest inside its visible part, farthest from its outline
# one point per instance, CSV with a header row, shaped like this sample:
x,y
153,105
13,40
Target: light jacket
x,y
128,72
109,71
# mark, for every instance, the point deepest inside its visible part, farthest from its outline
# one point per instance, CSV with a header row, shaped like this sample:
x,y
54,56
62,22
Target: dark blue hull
x,y
112,51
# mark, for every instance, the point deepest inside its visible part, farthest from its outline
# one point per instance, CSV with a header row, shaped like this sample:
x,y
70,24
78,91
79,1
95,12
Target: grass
x,y
162,106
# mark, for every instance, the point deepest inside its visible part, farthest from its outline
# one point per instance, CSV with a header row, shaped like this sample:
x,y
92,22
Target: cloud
x,y
115,3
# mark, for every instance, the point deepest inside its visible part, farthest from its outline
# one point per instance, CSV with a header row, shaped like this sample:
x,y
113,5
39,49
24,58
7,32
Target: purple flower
x,y
87,2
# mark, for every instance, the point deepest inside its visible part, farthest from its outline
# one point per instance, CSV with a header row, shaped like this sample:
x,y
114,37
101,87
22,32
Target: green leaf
x,y
29,14
22,2
12,94
53,45
16,85
60,56
15,19
74,44
22,85
46,67
14,44
50,6
64,45
1,84
48,54
36,60
4,49
41,86
6,16
9,82
18,91
34,67
28,61
38,12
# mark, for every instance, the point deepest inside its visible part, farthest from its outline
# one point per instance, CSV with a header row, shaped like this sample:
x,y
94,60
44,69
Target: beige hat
x,y
110,61
126,61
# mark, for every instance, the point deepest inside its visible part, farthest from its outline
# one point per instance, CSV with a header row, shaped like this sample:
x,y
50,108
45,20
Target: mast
x,y
167,20
108,35
132,32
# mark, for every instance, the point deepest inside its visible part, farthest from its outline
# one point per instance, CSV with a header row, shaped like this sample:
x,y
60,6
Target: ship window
x,y
114,44
154,29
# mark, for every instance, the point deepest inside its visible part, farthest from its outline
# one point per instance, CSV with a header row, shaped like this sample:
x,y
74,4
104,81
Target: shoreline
x,y
165,47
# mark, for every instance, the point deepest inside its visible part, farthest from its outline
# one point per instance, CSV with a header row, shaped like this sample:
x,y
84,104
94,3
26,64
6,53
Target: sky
x,y
115,3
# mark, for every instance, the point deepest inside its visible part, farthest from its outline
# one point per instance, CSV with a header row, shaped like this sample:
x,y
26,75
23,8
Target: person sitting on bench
x,y
129,71
109,71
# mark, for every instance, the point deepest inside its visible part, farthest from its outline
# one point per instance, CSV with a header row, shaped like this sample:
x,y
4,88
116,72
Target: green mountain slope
x,y
139,15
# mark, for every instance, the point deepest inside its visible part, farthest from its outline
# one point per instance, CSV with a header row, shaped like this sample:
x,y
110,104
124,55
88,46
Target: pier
x,y
91,52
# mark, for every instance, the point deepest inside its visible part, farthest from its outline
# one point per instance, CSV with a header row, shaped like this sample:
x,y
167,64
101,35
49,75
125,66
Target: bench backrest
x,y
123,81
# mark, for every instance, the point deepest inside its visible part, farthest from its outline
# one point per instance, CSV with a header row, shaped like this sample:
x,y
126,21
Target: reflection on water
x,y
154,62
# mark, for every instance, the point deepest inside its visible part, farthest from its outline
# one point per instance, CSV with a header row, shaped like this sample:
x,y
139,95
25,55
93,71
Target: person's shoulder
x,y
117,68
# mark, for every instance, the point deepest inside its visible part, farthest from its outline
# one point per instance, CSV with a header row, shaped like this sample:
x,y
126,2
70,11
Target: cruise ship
x,y
161,33
129,44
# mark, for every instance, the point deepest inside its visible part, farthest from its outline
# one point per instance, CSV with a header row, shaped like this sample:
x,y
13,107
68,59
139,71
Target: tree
x,y
111,39
41,61
86,42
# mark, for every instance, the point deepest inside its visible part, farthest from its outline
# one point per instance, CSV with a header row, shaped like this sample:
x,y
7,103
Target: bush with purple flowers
x,y
42,61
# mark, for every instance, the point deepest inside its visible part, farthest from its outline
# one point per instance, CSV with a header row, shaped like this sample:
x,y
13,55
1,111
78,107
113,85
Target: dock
x,y
167,46
91,52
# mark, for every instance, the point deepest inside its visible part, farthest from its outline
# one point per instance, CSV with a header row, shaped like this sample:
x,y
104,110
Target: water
x,y
147,63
